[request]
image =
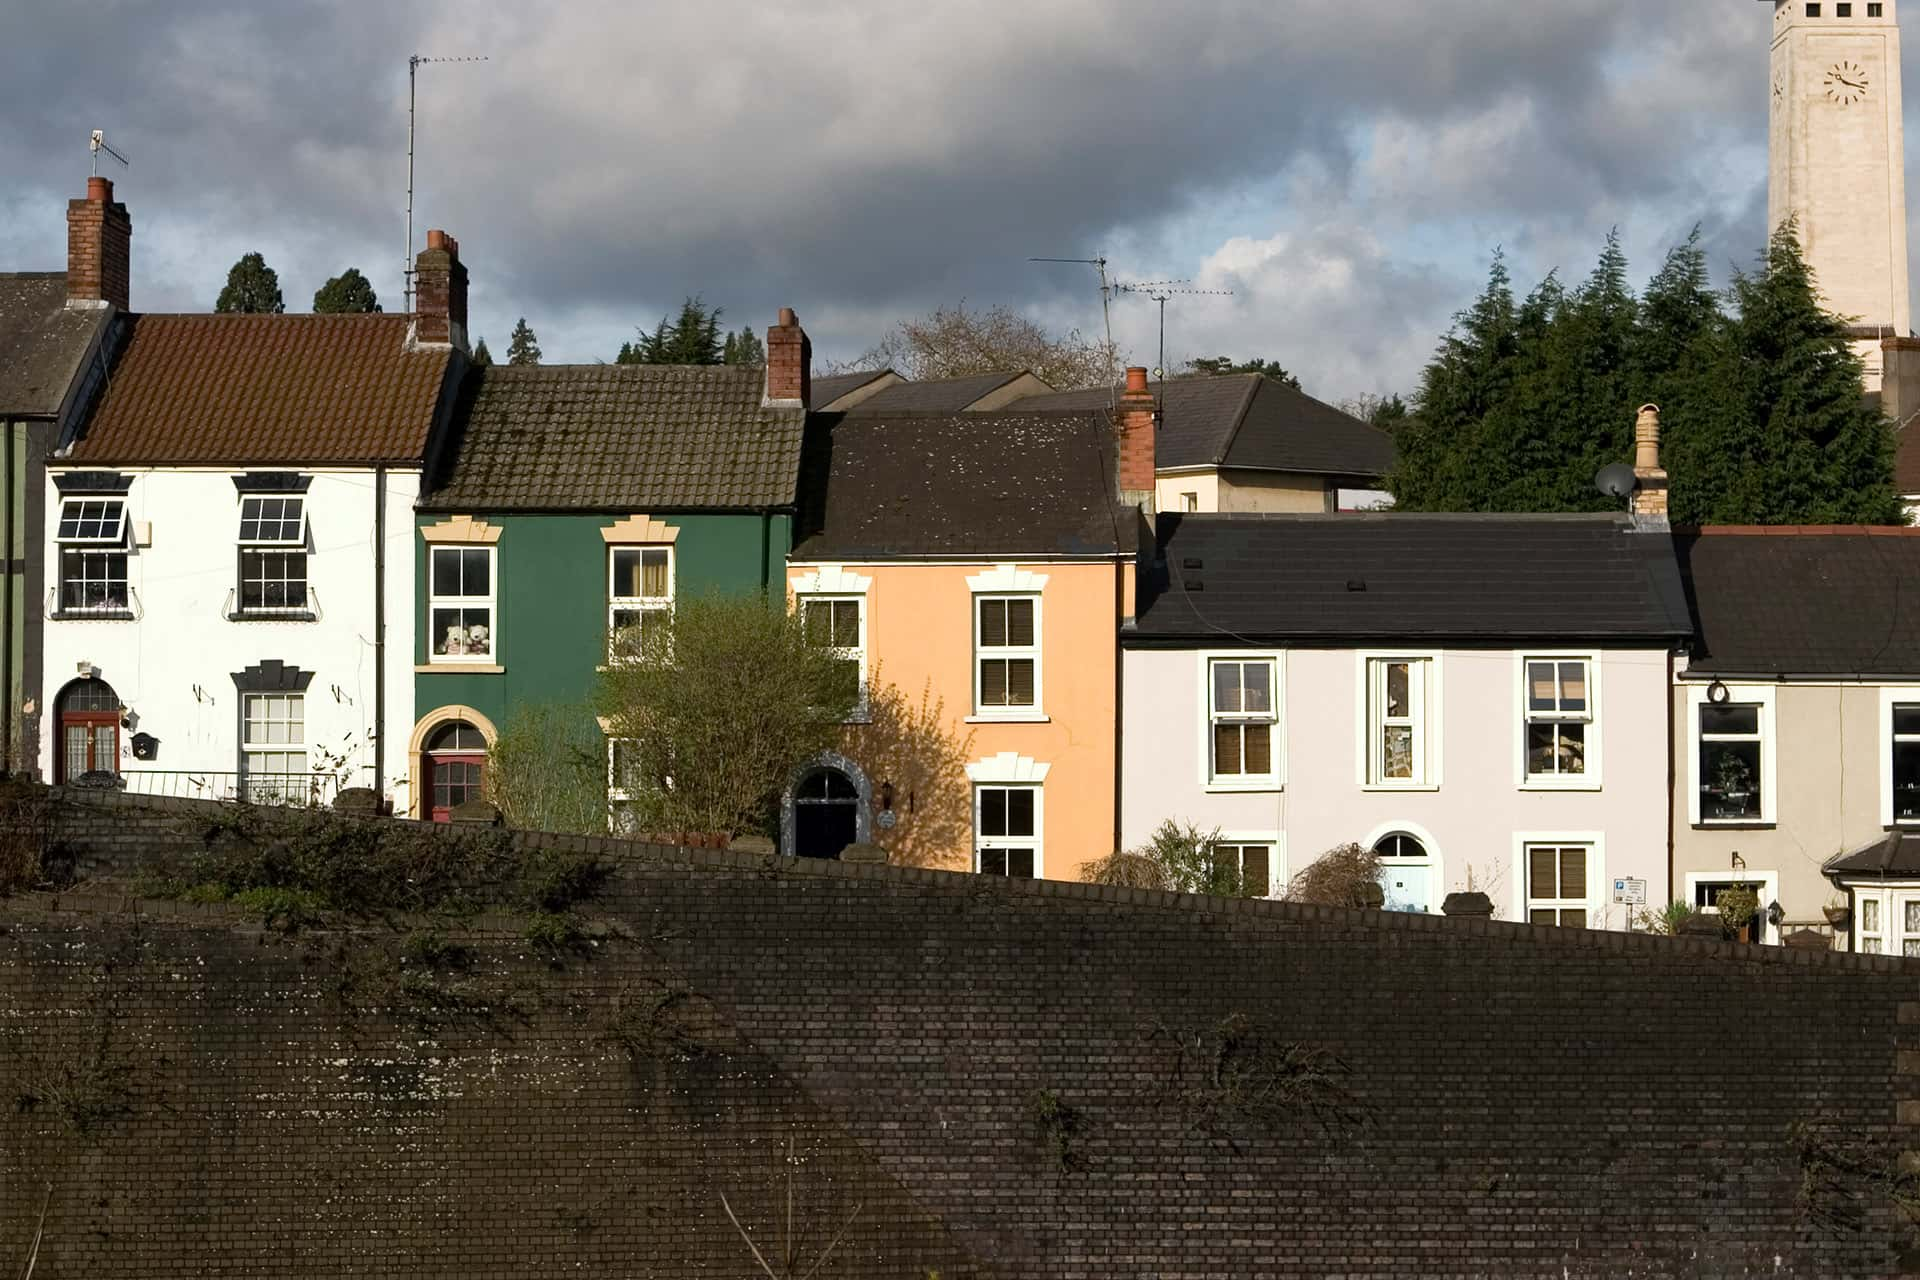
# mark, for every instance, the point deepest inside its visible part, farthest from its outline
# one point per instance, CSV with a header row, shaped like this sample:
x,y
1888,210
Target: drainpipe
x,y
380,633
1119,694
7,611
1672,692
766,550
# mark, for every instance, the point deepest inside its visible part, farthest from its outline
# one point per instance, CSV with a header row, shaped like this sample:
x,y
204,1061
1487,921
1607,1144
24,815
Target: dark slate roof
x,y
974,485
1395,576
41,342
830,387
1815,601
239,389
943,395
1248,421
618,437
1896,856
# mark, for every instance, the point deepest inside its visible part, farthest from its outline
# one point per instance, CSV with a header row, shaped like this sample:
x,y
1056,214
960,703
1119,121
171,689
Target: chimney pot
x,y
99,190
787,317
436,239
1136,379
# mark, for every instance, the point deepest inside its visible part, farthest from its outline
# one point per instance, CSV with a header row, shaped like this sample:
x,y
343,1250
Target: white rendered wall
x,y
173,667
1473,820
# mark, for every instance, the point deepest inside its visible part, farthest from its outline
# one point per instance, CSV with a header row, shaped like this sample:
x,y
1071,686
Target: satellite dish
x,y
1616,481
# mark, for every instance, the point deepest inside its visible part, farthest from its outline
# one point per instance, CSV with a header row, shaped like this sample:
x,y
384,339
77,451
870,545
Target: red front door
x,y
455,779
89,743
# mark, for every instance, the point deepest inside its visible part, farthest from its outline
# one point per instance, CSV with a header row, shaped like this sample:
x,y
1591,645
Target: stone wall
x,y
1007,1079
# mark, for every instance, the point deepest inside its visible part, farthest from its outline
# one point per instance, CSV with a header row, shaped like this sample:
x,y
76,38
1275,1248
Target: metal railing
x,y
104,611
296,790
234,611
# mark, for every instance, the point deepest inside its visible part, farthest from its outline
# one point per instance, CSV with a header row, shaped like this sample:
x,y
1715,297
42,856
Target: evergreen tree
x,y
523,347
1212,366
481,356
691,338
1763,417
253,288
348,292
744,348
627,354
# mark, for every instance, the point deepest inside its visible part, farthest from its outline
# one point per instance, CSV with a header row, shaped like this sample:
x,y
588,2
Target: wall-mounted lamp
x,y
886,797
1737,862
199,694
1775,913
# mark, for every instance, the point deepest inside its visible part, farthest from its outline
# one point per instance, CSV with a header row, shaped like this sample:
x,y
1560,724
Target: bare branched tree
x,y
955,342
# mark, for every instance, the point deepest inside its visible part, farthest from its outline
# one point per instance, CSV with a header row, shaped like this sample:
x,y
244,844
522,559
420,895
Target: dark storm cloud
x,y
866,161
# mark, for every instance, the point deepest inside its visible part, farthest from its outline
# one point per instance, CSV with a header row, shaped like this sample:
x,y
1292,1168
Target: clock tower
x,y
1836,160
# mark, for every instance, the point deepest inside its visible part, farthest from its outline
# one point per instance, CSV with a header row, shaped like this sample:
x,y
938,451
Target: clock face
x,y
1846,83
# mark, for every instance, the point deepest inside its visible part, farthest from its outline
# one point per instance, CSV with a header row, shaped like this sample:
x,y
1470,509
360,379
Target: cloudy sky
x,y
1345,167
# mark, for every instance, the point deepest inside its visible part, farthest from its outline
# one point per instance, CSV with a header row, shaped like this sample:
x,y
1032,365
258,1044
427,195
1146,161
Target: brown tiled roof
x,y
41,342
218,389
1906,459
619,437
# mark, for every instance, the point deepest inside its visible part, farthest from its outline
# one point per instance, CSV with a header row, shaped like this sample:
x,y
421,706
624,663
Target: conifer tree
x,y
523,347
481,356
744,348
253,288
691,338
347,293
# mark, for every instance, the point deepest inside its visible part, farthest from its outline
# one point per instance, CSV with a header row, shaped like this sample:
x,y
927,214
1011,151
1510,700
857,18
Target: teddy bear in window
x,y
456,641
477,639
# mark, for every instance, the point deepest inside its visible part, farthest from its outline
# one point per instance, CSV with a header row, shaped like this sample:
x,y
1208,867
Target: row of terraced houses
x,y
247,552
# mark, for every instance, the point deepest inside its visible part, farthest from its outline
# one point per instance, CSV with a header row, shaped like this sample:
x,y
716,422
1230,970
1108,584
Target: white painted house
x,y
1481,699
229,540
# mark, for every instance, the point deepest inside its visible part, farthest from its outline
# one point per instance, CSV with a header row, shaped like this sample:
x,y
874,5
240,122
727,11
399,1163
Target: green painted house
x,y
575,504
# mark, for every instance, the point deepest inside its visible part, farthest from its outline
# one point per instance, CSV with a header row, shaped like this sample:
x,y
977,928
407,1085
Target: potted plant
x,y
1738,905
1836,911
1733,780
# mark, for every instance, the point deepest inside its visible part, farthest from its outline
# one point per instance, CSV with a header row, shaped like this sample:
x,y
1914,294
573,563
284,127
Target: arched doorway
x,y
826,813
1407,871
89,712
453,765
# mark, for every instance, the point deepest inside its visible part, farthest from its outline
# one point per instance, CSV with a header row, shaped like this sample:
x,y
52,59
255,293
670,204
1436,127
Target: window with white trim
x,y
1242,717
1871,929
1006,831
1253,860
1906,762
273,554
1397,730
1006,650
838,624
1731,755
460,604
273,753
1557,885
622,782
1559,712
92,534
639,596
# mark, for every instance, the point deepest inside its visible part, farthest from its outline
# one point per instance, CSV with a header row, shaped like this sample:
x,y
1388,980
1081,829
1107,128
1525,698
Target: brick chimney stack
x,y
99,249
1138,422
440,294
789,364
1650,495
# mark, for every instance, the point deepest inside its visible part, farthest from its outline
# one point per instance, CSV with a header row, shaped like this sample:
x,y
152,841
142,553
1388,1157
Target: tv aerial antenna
x,y
1159,291
1099,264
413,69
99,144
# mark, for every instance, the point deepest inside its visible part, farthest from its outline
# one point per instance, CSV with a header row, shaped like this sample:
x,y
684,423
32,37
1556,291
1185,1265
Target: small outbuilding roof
x,y
41,342
1895,856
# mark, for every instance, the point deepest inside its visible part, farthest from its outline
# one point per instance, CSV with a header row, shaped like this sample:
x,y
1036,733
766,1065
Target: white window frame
x,y
1769,882
1886,898
1598,897
1275,778
1525,717
856,652
643,604
99,549
103,539
982,842
1890,697
1276,855
297,539
1010,652
293,746
491,602
1369,762
1762,695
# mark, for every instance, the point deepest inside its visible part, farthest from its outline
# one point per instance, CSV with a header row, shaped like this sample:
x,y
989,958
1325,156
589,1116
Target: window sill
x,y
1400,786
290,615
1588,785
459,668
92,615
1735,824
1261,786
1023,718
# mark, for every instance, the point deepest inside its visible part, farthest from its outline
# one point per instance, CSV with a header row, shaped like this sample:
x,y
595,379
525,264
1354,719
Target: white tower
x,y
1836,160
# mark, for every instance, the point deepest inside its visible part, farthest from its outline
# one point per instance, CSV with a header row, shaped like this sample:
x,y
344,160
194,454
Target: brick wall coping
x,y
617,851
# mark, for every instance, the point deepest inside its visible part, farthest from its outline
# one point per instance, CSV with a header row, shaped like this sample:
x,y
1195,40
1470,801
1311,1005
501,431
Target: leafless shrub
x,y
1127,870
1346,876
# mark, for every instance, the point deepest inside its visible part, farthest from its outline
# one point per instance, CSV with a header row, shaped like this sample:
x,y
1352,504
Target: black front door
x,y
826,810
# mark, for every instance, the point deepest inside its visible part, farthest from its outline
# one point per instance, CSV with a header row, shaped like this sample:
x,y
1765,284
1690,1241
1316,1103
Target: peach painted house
x,y
978,567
